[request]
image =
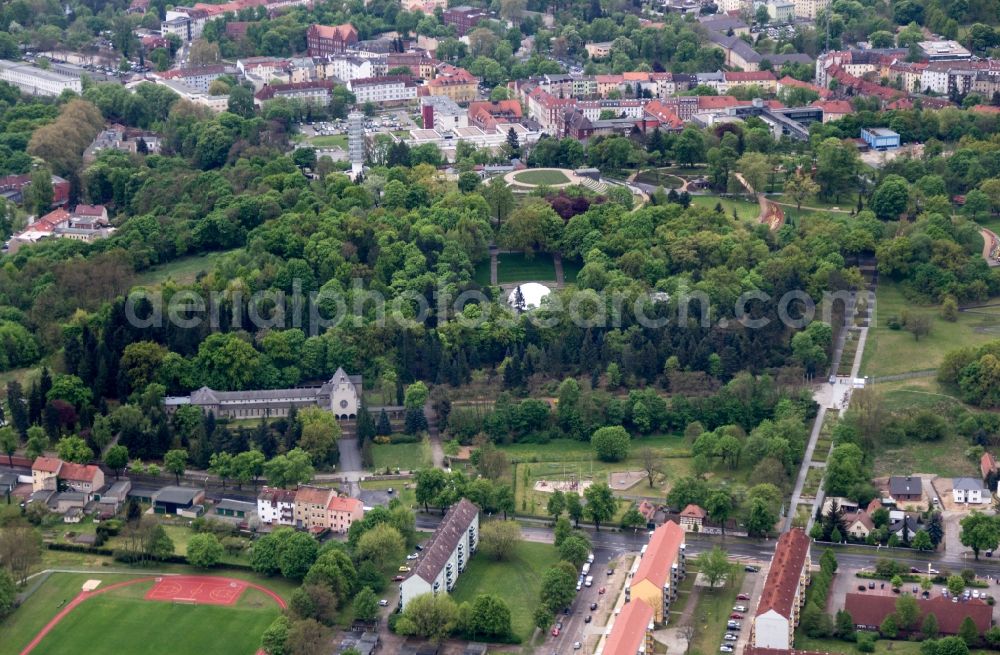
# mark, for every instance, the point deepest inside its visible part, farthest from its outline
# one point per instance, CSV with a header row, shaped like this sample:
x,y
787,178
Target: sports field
x,y
140,614
545,176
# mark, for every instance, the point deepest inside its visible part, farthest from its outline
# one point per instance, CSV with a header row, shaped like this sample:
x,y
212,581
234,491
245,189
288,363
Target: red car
x,y
398,578
743,597
735,615
601,590
555,631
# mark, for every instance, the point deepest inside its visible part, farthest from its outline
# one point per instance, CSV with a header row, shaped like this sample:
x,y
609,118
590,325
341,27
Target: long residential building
x,y
447,554
780,604
321,508
36,81
662,567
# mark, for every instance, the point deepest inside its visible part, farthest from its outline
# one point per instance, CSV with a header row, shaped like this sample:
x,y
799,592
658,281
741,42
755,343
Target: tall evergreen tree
x,y
384,427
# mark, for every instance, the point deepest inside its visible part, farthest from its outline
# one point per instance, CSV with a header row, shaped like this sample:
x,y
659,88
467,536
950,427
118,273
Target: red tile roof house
x,y
692,518
784,593
868,610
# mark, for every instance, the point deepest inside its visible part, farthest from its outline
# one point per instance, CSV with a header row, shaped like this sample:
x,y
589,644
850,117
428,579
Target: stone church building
x,y
341,394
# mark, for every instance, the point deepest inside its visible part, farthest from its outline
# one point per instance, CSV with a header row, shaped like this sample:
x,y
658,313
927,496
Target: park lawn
x,y
117,622
516,267
571,268
329,141
745,210
890,352
712,611
541,177
183,270
516,580
567,459
404,456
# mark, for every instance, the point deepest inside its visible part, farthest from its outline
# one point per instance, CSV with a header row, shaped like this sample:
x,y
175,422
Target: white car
x,y
412,556
730,637
383,603
739,608
725,648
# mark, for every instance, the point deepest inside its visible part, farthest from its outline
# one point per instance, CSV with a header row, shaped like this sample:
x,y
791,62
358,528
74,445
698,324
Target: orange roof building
x,y
784,592
662,567
343,511
632,631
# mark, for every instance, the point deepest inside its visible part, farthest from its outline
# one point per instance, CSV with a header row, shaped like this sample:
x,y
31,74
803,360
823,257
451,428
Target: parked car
x,y
743,597
871,584
588,618
725,648
749,568
412,556
383,603
398,578
861,587
734,625
593,606
736,615
577,645
404,569
914,569
730,637
555,631
739,608
610,571
602,590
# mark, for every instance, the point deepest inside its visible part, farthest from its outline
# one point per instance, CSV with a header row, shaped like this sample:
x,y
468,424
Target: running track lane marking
x,y
84,595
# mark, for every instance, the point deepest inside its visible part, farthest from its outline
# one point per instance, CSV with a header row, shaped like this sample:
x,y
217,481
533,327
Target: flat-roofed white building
x,y
36,81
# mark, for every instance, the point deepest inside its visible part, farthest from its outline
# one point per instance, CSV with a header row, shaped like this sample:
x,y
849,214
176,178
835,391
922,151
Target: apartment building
x,y
464,18
784,594
445,557
661,568
456,83
276,506
385,90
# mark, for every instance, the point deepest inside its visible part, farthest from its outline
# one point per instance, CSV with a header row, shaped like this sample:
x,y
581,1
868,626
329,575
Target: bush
x,y
866,642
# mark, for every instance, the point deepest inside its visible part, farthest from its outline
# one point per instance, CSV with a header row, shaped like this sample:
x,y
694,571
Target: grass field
x,y
712,612
889,352
745,211
515,267
659,178
542,177
566,459
121,620
183,271
516,580
330,141
882,646
404,456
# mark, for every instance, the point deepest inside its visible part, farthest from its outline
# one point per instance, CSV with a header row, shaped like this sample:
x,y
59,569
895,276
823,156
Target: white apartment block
x,y
276,506
35,81
445,556
784,594
391,89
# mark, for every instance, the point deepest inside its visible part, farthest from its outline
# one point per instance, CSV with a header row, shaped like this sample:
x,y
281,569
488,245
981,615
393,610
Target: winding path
x,y
990,245
84,595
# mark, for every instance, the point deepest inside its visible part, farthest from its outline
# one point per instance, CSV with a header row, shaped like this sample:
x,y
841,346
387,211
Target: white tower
x,y
356,142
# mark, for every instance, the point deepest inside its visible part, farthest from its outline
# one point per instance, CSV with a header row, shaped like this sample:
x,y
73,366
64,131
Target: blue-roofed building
x,y
880,138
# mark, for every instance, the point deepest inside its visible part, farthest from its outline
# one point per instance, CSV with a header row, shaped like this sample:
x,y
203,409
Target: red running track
x,y
185,580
